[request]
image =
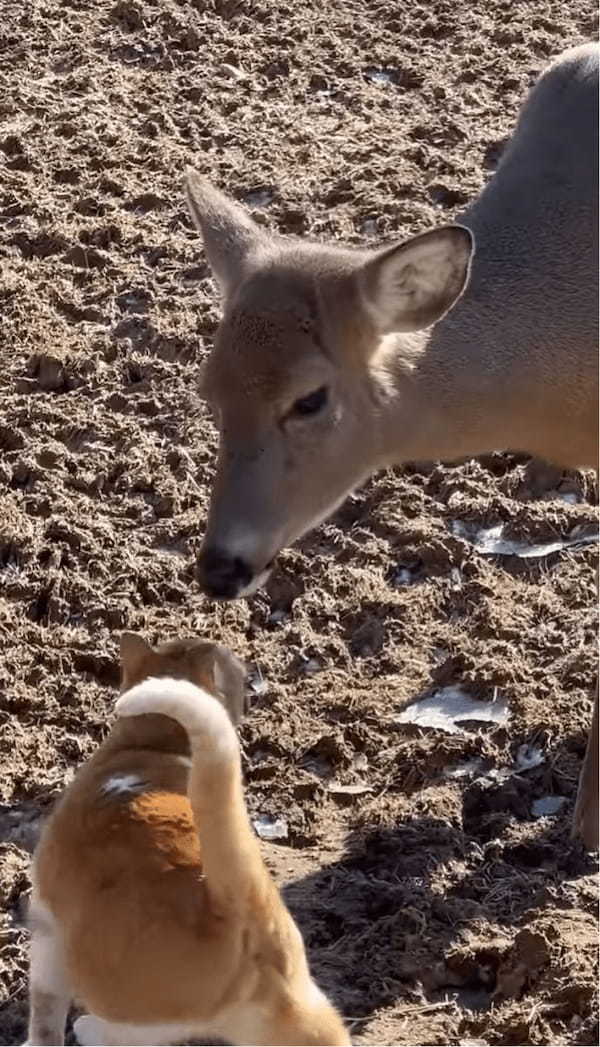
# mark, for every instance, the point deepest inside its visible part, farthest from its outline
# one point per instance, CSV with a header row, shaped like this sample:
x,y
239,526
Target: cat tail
x,y
231,860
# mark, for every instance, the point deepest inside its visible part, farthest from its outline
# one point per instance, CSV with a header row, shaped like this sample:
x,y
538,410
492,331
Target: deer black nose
x,y
223,576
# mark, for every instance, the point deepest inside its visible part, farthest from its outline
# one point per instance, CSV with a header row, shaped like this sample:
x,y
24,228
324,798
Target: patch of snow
x,y
546,806
269,828
490,541
449,707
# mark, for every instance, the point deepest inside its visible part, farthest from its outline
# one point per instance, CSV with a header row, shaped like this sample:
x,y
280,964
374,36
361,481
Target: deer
x,y
333,362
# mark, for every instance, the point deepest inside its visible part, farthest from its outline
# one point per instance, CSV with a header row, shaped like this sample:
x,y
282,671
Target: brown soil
x,y
436,909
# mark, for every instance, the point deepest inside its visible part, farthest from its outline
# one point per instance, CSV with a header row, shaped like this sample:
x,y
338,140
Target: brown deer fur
x,y
331,363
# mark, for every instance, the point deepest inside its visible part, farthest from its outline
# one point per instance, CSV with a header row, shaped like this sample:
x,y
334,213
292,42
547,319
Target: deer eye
x,y
313,403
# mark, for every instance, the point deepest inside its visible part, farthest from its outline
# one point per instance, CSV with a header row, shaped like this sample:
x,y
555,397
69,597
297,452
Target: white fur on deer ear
x,y
412,285
228,232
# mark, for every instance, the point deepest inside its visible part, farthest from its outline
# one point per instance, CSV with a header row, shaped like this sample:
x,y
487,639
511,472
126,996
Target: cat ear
x,y
230,678
134,651
226,679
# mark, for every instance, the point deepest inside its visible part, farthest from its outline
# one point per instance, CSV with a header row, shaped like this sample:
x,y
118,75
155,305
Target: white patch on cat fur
x,y
119,784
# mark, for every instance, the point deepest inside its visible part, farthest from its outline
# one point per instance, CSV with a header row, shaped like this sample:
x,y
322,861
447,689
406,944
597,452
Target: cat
x,y
151,905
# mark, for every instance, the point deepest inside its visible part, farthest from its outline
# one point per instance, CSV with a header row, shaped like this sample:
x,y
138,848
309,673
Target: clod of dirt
x,y
528,956
352,789
87,257
49,372
528,757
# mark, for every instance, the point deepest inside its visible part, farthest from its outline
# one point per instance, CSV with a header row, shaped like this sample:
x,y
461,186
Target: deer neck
x,y
444,402
463,387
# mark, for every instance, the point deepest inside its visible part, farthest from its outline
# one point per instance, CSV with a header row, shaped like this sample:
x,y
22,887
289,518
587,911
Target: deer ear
x,y
228,232
412,285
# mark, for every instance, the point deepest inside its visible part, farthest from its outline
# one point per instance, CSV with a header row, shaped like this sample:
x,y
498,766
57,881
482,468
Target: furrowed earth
x,y
437,906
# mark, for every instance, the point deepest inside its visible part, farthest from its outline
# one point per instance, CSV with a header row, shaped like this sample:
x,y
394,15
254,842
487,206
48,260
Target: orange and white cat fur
x,y
151,905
